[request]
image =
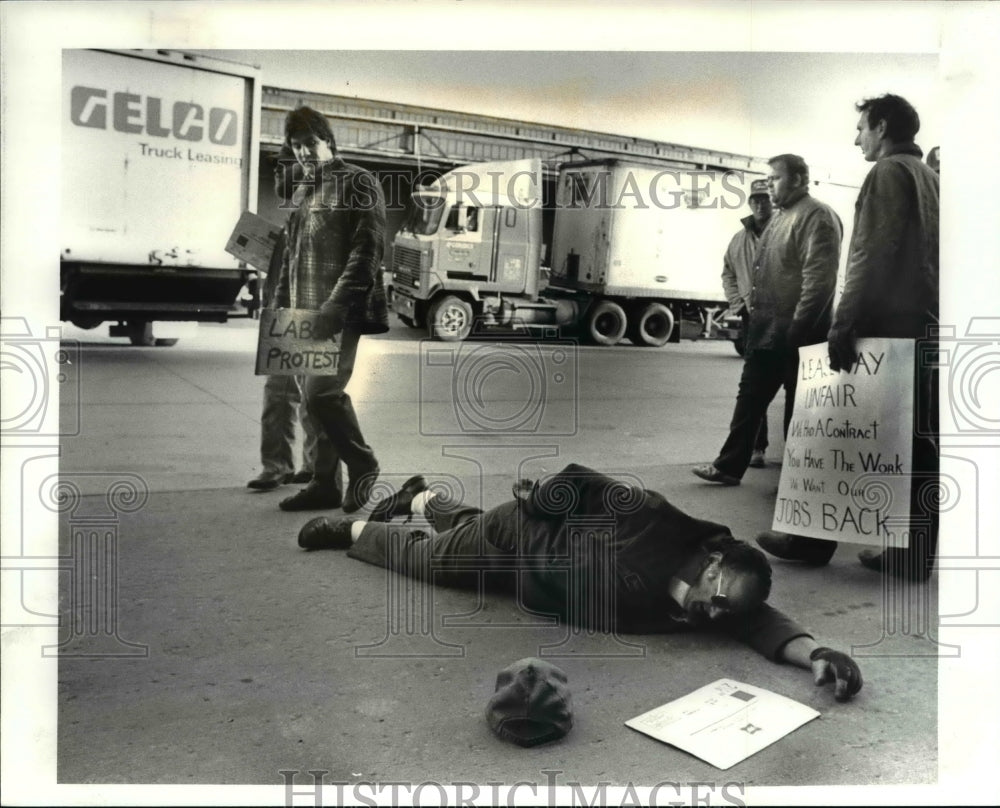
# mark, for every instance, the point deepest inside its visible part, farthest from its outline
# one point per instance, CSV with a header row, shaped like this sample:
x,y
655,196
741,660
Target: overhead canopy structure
x,y
403,134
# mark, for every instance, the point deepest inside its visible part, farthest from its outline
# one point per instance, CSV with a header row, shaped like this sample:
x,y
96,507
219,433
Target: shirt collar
x,y
904,148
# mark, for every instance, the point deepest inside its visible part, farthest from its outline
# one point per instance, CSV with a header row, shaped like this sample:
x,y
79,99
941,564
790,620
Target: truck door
x,y
467,243
509,249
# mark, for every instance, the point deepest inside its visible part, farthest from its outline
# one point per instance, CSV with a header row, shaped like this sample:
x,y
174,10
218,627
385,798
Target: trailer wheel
x,y
652,326
450,319
606,323
166,342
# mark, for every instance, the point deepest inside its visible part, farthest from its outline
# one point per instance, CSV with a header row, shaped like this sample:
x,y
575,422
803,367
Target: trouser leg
x,y
312,432
459,556
760,444
763,374
277,425
332,408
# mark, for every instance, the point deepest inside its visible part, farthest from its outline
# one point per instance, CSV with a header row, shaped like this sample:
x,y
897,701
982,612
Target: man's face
x,y
870,140
720,592
310,151
782,185
761,208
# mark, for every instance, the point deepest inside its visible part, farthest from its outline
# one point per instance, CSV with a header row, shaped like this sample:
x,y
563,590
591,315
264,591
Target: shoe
x,y
757,460
359,489
399,503
895,561
324,533
268,481
711,474
314,497
814,552
301,477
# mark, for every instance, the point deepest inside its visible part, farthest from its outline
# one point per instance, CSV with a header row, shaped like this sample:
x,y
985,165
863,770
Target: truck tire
x,y
166,342
652,326
450,319
606,323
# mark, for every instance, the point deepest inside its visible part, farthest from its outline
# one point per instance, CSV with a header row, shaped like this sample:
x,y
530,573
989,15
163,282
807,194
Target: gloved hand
x,y
796,335
841,347
834,666
330,320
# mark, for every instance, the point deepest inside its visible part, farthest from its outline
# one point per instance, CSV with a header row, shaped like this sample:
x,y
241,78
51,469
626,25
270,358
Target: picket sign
x,y
847,466
285,346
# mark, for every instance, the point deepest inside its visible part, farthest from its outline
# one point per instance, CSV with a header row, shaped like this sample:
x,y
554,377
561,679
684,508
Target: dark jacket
x,y
795,277
632,541
334,242
891,283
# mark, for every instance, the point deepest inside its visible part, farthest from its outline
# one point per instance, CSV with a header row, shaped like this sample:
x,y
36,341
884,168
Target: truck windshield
x,y
425,215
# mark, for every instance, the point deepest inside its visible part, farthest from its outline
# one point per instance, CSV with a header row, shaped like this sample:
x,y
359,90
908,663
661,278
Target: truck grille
x,y
406,265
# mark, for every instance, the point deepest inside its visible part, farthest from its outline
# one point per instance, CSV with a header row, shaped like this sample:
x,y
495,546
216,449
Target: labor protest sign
x,y
846,470
286,347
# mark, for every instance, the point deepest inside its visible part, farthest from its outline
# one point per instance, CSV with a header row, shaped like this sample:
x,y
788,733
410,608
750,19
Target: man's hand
x,y
833,666
841,347
329,322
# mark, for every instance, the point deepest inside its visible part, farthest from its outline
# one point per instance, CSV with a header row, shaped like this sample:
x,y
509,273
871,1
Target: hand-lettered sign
x,y
286,346
846,471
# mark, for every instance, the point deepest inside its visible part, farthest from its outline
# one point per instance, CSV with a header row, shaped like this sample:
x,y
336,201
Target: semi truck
x,y
159,159
635,252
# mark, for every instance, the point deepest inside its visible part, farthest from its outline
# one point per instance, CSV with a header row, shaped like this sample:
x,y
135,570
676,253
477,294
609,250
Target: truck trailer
x,y
636,252
159,159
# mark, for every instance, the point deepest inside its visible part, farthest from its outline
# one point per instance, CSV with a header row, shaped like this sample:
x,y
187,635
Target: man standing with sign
x,y
332,264
791,302
891,290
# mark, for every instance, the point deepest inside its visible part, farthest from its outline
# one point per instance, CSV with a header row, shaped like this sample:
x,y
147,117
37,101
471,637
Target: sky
x,y
756,103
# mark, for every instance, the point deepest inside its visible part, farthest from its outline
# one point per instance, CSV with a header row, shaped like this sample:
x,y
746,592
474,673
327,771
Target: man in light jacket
x,y
737,268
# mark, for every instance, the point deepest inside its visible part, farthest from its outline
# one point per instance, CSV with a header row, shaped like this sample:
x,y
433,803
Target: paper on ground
x,y
724,722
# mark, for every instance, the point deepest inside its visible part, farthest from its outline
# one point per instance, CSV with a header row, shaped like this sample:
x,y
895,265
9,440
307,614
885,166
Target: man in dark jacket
x,y
332,264
891,290
791,303
596,551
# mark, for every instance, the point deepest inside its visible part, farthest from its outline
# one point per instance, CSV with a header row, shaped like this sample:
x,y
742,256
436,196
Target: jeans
x,y
283,405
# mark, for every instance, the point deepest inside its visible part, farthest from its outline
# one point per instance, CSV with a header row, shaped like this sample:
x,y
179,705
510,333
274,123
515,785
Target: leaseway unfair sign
x,y
286,346
846,471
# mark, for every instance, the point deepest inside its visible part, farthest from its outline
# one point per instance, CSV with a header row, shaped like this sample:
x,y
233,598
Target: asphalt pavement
x,y
234,655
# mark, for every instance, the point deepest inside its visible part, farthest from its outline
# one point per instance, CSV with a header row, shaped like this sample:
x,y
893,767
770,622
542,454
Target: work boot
x,y
895,561
301,477
757,460
324,533
813,552
399,503
314,497
711,474
359,488
269,480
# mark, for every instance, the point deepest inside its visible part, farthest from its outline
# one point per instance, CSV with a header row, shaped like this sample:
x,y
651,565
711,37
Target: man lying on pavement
x,y
597,552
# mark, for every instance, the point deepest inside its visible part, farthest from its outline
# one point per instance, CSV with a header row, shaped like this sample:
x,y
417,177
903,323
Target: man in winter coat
x,y
791,303
597,552
891,290
332,264
737,267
